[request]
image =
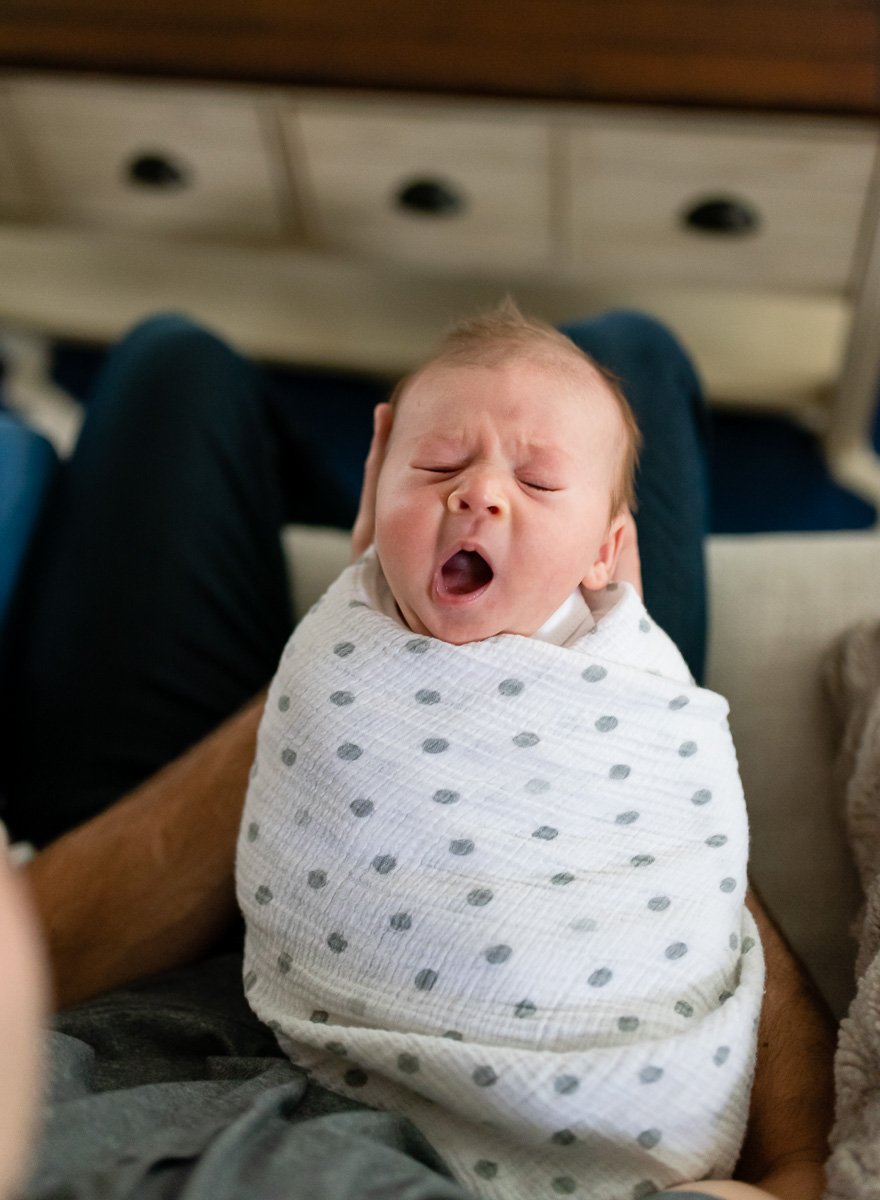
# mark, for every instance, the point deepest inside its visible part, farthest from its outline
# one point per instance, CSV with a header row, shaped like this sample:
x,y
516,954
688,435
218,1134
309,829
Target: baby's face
x,y
494,496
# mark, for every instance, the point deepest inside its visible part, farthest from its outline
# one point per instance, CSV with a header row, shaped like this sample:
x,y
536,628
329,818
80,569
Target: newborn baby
x,y
493,857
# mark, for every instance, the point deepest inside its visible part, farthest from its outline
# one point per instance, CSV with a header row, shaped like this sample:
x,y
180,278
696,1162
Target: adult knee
x,y
630,341
167,343
168,370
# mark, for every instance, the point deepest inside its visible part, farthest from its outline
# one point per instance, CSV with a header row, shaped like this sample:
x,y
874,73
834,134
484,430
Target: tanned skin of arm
x,y
792,1107
148,884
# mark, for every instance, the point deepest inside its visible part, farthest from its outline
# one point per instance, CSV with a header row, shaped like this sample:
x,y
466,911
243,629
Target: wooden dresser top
x,y
784,55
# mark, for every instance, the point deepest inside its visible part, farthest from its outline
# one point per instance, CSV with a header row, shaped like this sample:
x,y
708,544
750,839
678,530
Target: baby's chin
x,y
458,628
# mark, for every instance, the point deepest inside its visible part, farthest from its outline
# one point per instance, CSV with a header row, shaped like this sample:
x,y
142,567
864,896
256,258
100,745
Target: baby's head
x,y
506,480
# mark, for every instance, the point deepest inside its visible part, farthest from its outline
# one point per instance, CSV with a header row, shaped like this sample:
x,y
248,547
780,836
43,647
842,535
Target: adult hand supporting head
x,y
364,524
629,566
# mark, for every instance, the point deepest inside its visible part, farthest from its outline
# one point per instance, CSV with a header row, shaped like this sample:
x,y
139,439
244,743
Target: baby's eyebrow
x,y
438,444
544,456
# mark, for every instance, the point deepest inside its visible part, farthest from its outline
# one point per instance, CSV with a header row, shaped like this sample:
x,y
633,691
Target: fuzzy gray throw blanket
x,y
852,677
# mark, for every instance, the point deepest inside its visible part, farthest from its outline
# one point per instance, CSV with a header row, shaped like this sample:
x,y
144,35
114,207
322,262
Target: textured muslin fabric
x,y
499,888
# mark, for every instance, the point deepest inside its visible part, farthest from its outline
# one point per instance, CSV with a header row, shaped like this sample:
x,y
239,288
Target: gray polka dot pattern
x,y
349,751
510,687
537,786
425,979
461,847
566,1084
446,796
474,861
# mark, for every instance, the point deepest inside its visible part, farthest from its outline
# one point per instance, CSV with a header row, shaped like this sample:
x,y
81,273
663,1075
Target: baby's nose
x,y
477,493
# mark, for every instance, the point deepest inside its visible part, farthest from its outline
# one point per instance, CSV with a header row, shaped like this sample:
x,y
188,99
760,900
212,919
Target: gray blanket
x,y
852,675
172,1088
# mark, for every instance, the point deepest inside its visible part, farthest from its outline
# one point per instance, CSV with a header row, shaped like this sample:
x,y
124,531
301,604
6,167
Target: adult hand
x,y
362,531
629,567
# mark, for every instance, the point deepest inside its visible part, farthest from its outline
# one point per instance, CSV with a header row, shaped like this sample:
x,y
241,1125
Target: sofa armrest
x,y
777,602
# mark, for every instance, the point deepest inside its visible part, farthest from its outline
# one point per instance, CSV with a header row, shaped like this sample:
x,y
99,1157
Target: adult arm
x,y
792,1099
148,884
792,1106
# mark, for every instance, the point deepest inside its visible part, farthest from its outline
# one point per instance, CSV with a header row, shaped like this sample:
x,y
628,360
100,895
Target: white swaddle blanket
x,y
498,888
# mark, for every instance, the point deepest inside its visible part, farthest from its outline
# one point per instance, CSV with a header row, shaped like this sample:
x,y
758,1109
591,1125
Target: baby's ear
x,y
602,570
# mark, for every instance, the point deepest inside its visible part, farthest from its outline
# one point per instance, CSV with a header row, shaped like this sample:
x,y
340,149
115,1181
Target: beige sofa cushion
x,y
777,601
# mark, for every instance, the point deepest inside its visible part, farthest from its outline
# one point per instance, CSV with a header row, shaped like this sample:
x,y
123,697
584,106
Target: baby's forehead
x,y
551,372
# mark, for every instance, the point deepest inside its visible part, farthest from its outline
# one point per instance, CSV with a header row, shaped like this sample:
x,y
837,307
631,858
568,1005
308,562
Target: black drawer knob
x,y
430,198
724,216
157,171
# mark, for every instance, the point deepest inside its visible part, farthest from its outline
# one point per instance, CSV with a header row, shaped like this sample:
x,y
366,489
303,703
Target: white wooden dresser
x,y
344,227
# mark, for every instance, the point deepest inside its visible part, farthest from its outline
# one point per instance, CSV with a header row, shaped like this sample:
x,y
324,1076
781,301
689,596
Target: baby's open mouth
x,y
465,572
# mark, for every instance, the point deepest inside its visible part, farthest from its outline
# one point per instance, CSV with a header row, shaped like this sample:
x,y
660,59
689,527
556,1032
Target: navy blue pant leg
x,y
28,464
156,601
659,380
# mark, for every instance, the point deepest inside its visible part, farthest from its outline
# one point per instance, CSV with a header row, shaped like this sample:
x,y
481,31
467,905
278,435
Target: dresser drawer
x,y
638,181
444,187
171,160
